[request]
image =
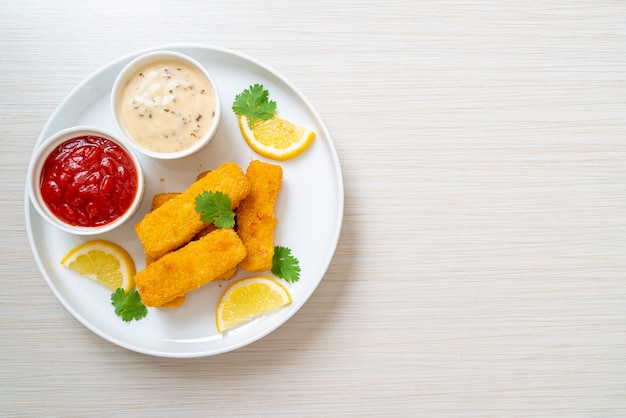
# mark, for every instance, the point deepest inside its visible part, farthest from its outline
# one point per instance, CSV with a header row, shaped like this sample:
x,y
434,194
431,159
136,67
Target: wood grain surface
x,y
481,269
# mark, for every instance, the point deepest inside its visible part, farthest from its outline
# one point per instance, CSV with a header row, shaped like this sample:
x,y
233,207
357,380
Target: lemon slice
x,y
249,298
276,138
102,261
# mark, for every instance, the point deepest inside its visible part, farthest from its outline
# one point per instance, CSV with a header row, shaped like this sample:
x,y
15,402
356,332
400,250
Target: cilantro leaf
x,y
254,103
215,208
285,265
128,306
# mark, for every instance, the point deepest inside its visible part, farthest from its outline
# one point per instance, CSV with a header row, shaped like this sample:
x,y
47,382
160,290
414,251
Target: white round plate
x,y
309,211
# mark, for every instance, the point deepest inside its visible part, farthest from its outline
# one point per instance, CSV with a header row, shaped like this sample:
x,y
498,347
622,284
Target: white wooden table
x,y
481,269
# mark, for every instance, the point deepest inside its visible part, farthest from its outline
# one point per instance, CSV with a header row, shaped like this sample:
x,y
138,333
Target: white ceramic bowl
x,y
37,164
148,108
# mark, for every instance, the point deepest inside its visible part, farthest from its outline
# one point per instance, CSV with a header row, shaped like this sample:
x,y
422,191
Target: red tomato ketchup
x,y
88,181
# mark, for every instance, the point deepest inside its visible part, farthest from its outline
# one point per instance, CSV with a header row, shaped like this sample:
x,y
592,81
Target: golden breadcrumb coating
x,y
196,264
255,215
179,301
176,221
159,199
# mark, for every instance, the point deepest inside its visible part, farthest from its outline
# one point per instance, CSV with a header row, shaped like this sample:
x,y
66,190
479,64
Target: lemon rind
x,y
294,150
219,323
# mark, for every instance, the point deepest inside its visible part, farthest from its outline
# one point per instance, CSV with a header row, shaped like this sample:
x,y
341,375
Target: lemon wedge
x,y
249,298
102,261
276,138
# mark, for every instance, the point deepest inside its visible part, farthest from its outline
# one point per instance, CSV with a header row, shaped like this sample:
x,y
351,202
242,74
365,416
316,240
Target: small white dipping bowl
x,y
156,110
36,166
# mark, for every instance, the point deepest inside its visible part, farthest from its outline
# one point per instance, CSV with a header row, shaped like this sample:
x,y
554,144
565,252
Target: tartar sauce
x,y
167,106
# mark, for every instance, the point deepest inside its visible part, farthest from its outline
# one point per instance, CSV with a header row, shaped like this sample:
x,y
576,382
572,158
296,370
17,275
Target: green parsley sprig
x,y
255,104
215,208
285,265
128,306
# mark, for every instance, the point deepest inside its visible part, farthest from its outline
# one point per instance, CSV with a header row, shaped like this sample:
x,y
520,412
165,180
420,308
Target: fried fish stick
x,y
179,301
255,215
174,303
176,222
204,173
159,199
186,269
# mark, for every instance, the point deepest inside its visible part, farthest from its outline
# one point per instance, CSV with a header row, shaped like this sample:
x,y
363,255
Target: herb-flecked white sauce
x,y
167,107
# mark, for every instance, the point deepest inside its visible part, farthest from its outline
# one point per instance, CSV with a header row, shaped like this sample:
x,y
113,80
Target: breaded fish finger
x,y
159,199
175,223
179,301
255,215
186,269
